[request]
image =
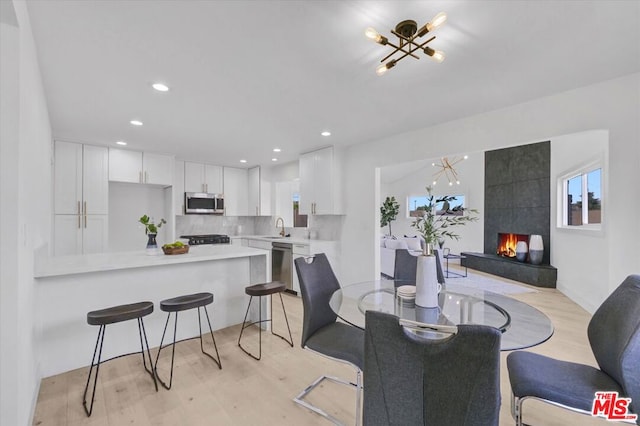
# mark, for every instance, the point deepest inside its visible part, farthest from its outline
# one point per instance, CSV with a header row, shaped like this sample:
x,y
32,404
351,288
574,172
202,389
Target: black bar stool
x,y
110,316
259,290
184,303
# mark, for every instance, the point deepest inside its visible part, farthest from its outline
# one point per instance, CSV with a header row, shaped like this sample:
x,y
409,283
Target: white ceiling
x,y
248,76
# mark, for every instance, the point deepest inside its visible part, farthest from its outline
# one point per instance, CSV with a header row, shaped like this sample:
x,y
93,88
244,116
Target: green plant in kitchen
x,y
388,212
435,226
149,226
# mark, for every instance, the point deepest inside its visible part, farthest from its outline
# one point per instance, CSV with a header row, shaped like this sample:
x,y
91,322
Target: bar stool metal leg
x,y
143,332
173,352
217,361
260,320
100,340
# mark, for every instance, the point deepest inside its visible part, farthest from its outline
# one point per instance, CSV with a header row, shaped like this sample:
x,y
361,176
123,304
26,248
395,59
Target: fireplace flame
x,y
507,245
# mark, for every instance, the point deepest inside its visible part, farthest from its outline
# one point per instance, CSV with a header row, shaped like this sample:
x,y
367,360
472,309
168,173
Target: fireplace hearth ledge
x,y
536,275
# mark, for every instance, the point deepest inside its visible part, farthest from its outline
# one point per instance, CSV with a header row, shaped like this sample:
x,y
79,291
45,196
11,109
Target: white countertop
x,y
277,238
66,265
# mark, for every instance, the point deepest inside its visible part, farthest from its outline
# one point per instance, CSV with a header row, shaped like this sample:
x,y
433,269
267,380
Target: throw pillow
x,y
413,243
395,244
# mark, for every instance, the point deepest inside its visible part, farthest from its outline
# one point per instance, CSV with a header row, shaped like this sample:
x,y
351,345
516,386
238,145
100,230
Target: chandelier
x,y
445,168
408,33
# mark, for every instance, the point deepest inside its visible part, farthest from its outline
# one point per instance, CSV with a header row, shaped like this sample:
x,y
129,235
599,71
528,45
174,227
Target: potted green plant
x,y
151,230
435,227
389,212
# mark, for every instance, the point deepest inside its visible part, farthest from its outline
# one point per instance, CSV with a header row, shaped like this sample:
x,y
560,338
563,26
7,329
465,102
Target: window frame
x,y
563,193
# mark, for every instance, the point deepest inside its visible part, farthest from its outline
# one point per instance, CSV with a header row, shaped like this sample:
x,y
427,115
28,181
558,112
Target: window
x,y
454,207
582,198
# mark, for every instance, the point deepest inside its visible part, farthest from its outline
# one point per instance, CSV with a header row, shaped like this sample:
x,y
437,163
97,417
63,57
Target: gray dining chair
x,y
614,336
413,380
320,331
406,264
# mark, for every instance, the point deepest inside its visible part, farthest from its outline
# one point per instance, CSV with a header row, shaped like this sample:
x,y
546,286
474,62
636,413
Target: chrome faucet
x,y
282,233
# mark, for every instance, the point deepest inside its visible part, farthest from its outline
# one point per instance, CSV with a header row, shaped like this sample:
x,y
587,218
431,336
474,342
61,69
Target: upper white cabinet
x,y
236,200
139,167
320,182
200,177
81,174
254,191
178,188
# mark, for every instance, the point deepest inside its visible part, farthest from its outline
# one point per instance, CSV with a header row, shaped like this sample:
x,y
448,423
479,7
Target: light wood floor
x,y
249,392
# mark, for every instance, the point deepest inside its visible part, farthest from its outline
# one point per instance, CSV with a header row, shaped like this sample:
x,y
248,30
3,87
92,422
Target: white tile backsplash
x,y
328,227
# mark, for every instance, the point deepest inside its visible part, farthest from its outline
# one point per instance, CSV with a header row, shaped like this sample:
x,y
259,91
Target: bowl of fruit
x,y
175,248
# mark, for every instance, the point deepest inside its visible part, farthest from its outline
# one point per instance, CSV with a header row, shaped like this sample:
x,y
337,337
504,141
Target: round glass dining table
x,y
521,324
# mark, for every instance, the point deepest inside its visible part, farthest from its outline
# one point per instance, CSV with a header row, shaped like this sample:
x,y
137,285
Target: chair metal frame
x,y
260,320
173,352
100,340
299,399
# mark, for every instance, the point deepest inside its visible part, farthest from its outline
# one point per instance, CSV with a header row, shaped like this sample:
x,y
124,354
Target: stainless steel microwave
x,y
203,203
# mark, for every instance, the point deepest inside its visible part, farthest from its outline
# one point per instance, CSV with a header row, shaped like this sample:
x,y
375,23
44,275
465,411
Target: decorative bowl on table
x,y
175,250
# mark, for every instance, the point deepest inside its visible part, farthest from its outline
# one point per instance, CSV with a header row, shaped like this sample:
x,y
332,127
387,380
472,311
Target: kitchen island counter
x,y
68,287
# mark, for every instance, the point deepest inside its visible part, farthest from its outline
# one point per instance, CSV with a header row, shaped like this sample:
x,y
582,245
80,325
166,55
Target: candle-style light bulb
x,y
371,33
437,21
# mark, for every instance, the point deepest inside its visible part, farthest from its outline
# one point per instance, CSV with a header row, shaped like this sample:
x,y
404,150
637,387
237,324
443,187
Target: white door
x,y
213,179
236,199
67,234
125,166
95,180
254,191
158,169
307,177
323,181
95,234
68,178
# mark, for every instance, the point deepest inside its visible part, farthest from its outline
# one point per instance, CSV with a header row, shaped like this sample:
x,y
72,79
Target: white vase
x,y
521,251
536,249
427,286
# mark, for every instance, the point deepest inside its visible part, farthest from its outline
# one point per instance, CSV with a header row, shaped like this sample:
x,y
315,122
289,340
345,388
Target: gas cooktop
x,y
195,240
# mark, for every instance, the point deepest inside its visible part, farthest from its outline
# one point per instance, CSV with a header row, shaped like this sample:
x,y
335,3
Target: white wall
x,y
25,211
612,105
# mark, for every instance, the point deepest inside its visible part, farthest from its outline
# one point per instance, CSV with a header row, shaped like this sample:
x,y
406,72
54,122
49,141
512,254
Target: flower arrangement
x,y
149,226
435,227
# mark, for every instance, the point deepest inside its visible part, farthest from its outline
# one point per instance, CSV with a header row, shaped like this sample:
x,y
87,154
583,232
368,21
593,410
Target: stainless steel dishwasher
x,y
282,264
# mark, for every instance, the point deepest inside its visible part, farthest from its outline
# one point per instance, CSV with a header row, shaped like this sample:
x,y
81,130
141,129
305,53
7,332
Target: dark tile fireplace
x,y
517,205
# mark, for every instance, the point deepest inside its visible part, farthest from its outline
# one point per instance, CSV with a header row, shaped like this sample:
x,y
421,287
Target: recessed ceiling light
x,y
274,159
136,122
121,143
276,150
326,133
243,161
160,87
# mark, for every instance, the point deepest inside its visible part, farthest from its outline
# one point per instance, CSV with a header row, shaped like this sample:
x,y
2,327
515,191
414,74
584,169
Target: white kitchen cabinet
x,y
320,182
199,177
80,234
236,200
139,167
81,184
178,188
254,190
298,250
81,198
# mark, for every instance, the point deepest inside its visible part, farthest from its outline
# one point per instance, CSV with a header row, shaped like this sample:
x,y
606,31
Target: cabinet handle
x,y
79,208
85,214
79,219
146,177
206,187
257,211
140,176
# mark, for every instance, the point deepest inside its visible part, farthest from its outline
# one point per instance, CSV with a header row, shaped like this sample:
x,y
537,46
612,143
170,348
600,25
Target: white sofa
x,y
388,247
